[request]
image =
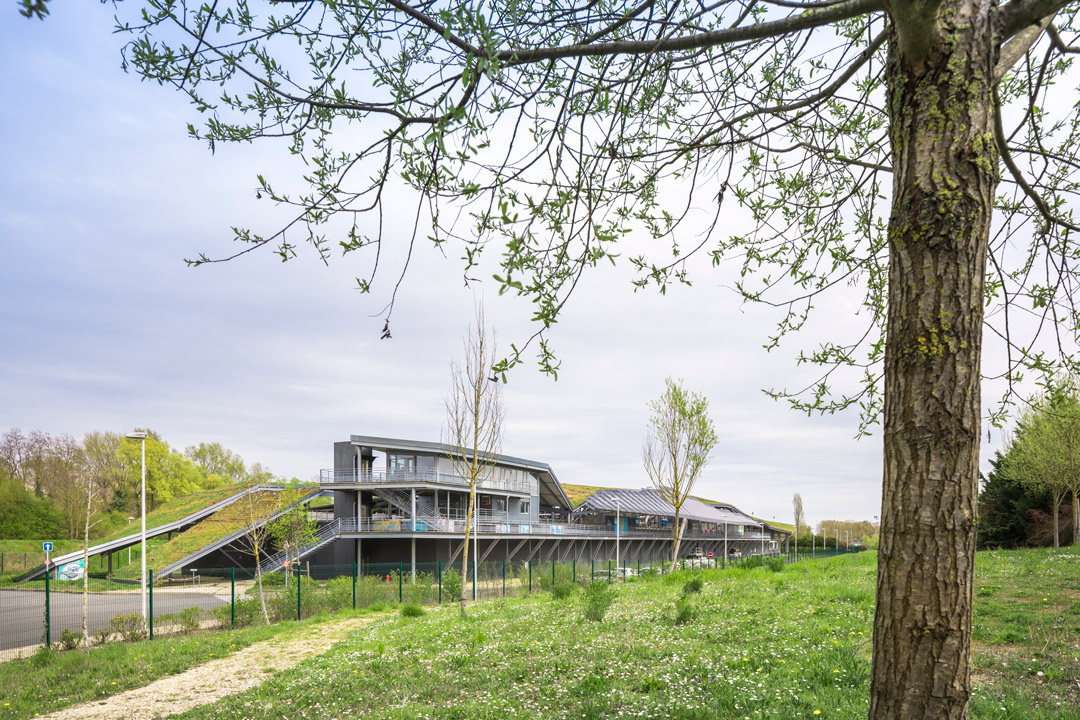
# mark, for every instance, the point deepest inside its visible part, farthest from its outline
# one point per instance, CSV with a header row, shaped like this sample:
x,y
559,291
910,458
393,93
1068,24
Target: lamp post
x,y
141,436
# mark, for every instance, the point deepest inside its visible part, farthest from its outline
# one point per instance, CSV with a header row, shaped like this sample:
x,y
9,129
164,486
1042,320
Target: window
x,y
500,504
524,508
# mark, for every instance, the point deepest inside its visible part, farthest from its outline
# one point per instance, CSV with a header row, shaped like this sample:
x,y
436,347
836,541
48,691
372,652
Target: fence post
x,y
609,570
299,577
504,578
400,571
574,567
150,587
48,616
440,582
232,599
354,586
592,572
530,577
553,575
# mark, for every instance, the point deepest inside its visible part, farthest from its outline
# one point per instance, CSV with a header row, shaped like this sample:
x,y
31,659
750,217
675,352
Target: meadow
x,y
750,643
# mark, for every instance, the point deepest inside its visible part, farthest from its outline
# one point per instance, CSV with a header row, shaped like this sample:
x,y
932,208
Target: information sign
x,y
47,547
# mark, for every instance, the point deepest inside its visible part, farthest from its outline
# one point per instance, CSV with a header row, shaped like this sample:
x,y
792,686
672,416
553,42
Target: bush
x,y
101,636
684,610
774,563
561,590
754,561
69,639
598,597
451,585
693,585
411,610
189,619
129,626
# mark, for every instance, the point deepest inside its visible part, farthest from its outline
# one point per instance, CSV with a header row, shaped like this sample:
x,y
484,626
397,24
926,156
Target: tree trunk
x,y
1056,513
675,542
86,580
944,177
465,550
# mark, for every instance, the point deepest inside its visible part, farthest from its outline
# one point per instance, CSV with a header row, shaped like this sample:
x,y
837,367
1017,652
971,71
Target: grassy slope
x,y
179,508
225,521
789,645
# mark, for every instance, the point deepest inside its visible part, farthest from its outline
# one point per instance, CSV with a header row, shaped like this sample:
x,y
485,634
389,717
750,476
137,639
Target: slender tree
x,y
797,508
676,449
474,422
1045,453
866,138
253,539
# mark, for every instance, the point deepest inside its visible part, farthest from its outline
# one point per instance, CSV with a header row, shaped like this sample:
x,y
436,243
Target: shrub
x,y
598,597
69,639
693,585
754,561
774,563
101,636
189,619
411,610
561,590
684,610
451,585
129,626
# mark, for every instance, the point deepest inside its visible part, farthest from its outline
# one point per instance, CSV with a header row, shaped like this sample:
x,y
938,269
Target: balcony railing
x,y
421,476
510,527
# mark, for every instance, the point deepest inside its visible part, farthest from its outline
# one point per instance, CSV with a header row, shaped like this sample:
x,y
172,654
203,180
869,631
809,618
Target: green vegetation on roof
x,y
580,493
222,523
178,509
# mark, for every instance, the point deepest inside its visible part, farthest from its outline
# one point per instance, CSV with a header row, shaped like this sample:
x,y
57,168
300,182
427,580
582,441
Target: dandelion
x,y
817,712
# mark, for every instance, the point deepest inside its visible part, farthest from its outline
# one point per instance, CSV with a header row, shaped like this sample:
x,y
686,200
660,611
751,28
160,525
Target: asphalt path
x,y
22,612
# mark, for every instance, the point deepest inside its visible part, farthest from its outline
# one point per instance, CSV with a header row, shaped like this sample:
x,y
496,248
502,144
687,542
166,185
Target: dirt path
x,y
213,680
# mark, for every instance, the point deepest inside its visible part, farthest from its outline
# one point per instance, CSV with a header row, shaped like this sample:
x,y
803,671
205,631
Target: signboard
x,y
47,547
710,556
71,571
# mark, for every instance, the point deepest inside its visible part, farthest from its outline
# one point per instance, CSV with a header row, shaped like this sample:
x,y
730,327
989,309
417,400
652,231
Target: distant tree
x,y
23,456
93,482
1045,454
676,449
474,423
24,515
258,473
800,519
1006,507
214,459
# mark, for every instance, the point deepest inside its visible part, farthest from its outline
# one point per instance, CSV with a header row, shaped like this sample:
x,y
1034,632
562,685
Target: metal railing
x,y
324,535
420,476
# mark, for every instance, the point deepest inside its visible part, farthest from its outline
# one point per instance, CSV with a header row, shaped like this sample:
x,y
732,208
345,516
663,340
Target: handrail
x,y
322,536
433,475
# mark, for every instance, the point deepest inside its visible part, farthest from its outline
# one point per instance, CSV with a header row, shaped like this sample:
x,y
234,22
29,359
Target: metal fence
x,y
48,611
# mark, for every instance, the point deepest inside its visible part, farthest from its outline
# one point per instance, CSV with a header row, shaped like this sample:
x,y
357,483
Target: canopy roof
x,y
647,501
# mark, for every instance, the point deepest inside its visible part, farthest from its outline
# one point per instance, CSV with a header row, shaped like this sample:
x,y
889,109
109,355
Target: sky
x,y
104,327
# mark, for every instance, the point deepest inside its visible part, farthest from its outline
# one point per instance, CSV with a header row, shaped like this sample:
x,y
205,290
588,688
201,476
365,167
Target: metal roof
x,y
551,490
647,501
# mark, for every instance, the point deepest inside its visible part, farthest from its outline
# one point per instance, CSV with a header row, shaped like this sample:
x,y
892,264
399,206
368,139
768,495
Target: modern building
x,y
404,501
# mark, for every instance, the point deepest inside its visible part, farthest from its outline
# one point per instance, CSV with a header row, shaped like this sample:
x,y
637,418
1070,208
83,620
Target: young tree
x,y
676,449
1045,452
293,530
253,540
796,503
474,421
866,137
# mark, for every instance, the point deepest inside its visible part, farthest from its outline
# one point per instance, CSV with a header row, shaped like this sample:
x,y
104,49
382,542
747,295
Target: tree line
x,y
45,480
1030,497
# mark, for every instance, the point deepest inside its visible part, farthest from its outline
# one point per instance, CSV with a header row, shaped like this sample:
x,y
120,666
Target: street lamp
x,y
141,436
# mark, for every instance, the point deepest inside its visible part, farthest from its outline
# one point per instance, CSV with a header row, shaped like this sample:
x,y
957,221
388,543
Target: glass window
x,y
524,509
500,504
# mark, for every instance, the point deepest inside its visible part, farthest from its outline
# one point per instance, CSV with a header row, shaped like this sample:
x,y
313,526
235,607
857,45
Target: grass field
x,y
750,644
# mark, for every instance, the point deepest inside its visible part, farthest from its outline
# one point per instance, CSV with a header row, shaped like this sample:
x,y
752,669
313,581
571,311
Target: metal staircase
x,y
403,502
322,537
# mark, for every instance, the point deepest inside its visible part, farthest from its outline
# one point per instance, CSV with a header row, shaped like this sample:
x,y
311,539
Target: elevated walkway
x,y
183,523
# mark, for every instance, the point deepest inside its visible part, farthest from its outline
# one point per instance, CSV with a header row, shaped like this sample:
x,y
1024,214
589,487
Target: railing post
x,y
232,599
48,616
354,586
150,588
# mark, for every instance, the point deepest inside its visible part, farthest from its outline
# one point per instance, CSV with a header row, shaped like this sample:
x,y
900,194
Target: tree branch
x,y
1020,13
1018,46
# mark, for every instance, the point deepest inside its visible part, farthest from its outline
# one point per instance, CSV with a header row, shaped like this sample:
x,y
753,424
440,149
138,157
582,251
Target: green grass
x,y
177,509
52,680
225,521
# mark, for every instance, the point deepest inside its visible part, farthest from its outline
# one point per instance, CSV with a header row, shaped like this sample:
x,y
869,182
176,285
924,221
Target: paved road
x,y
22,612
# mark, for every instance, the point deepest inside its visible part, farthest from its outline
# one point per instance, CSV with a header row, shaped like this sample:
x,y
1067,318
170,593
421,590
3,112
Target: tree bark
x,y
945,174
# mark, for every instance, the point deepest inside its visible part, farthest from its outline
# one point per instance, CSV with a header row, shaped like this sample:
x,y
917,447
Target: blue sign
x,y
47,547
